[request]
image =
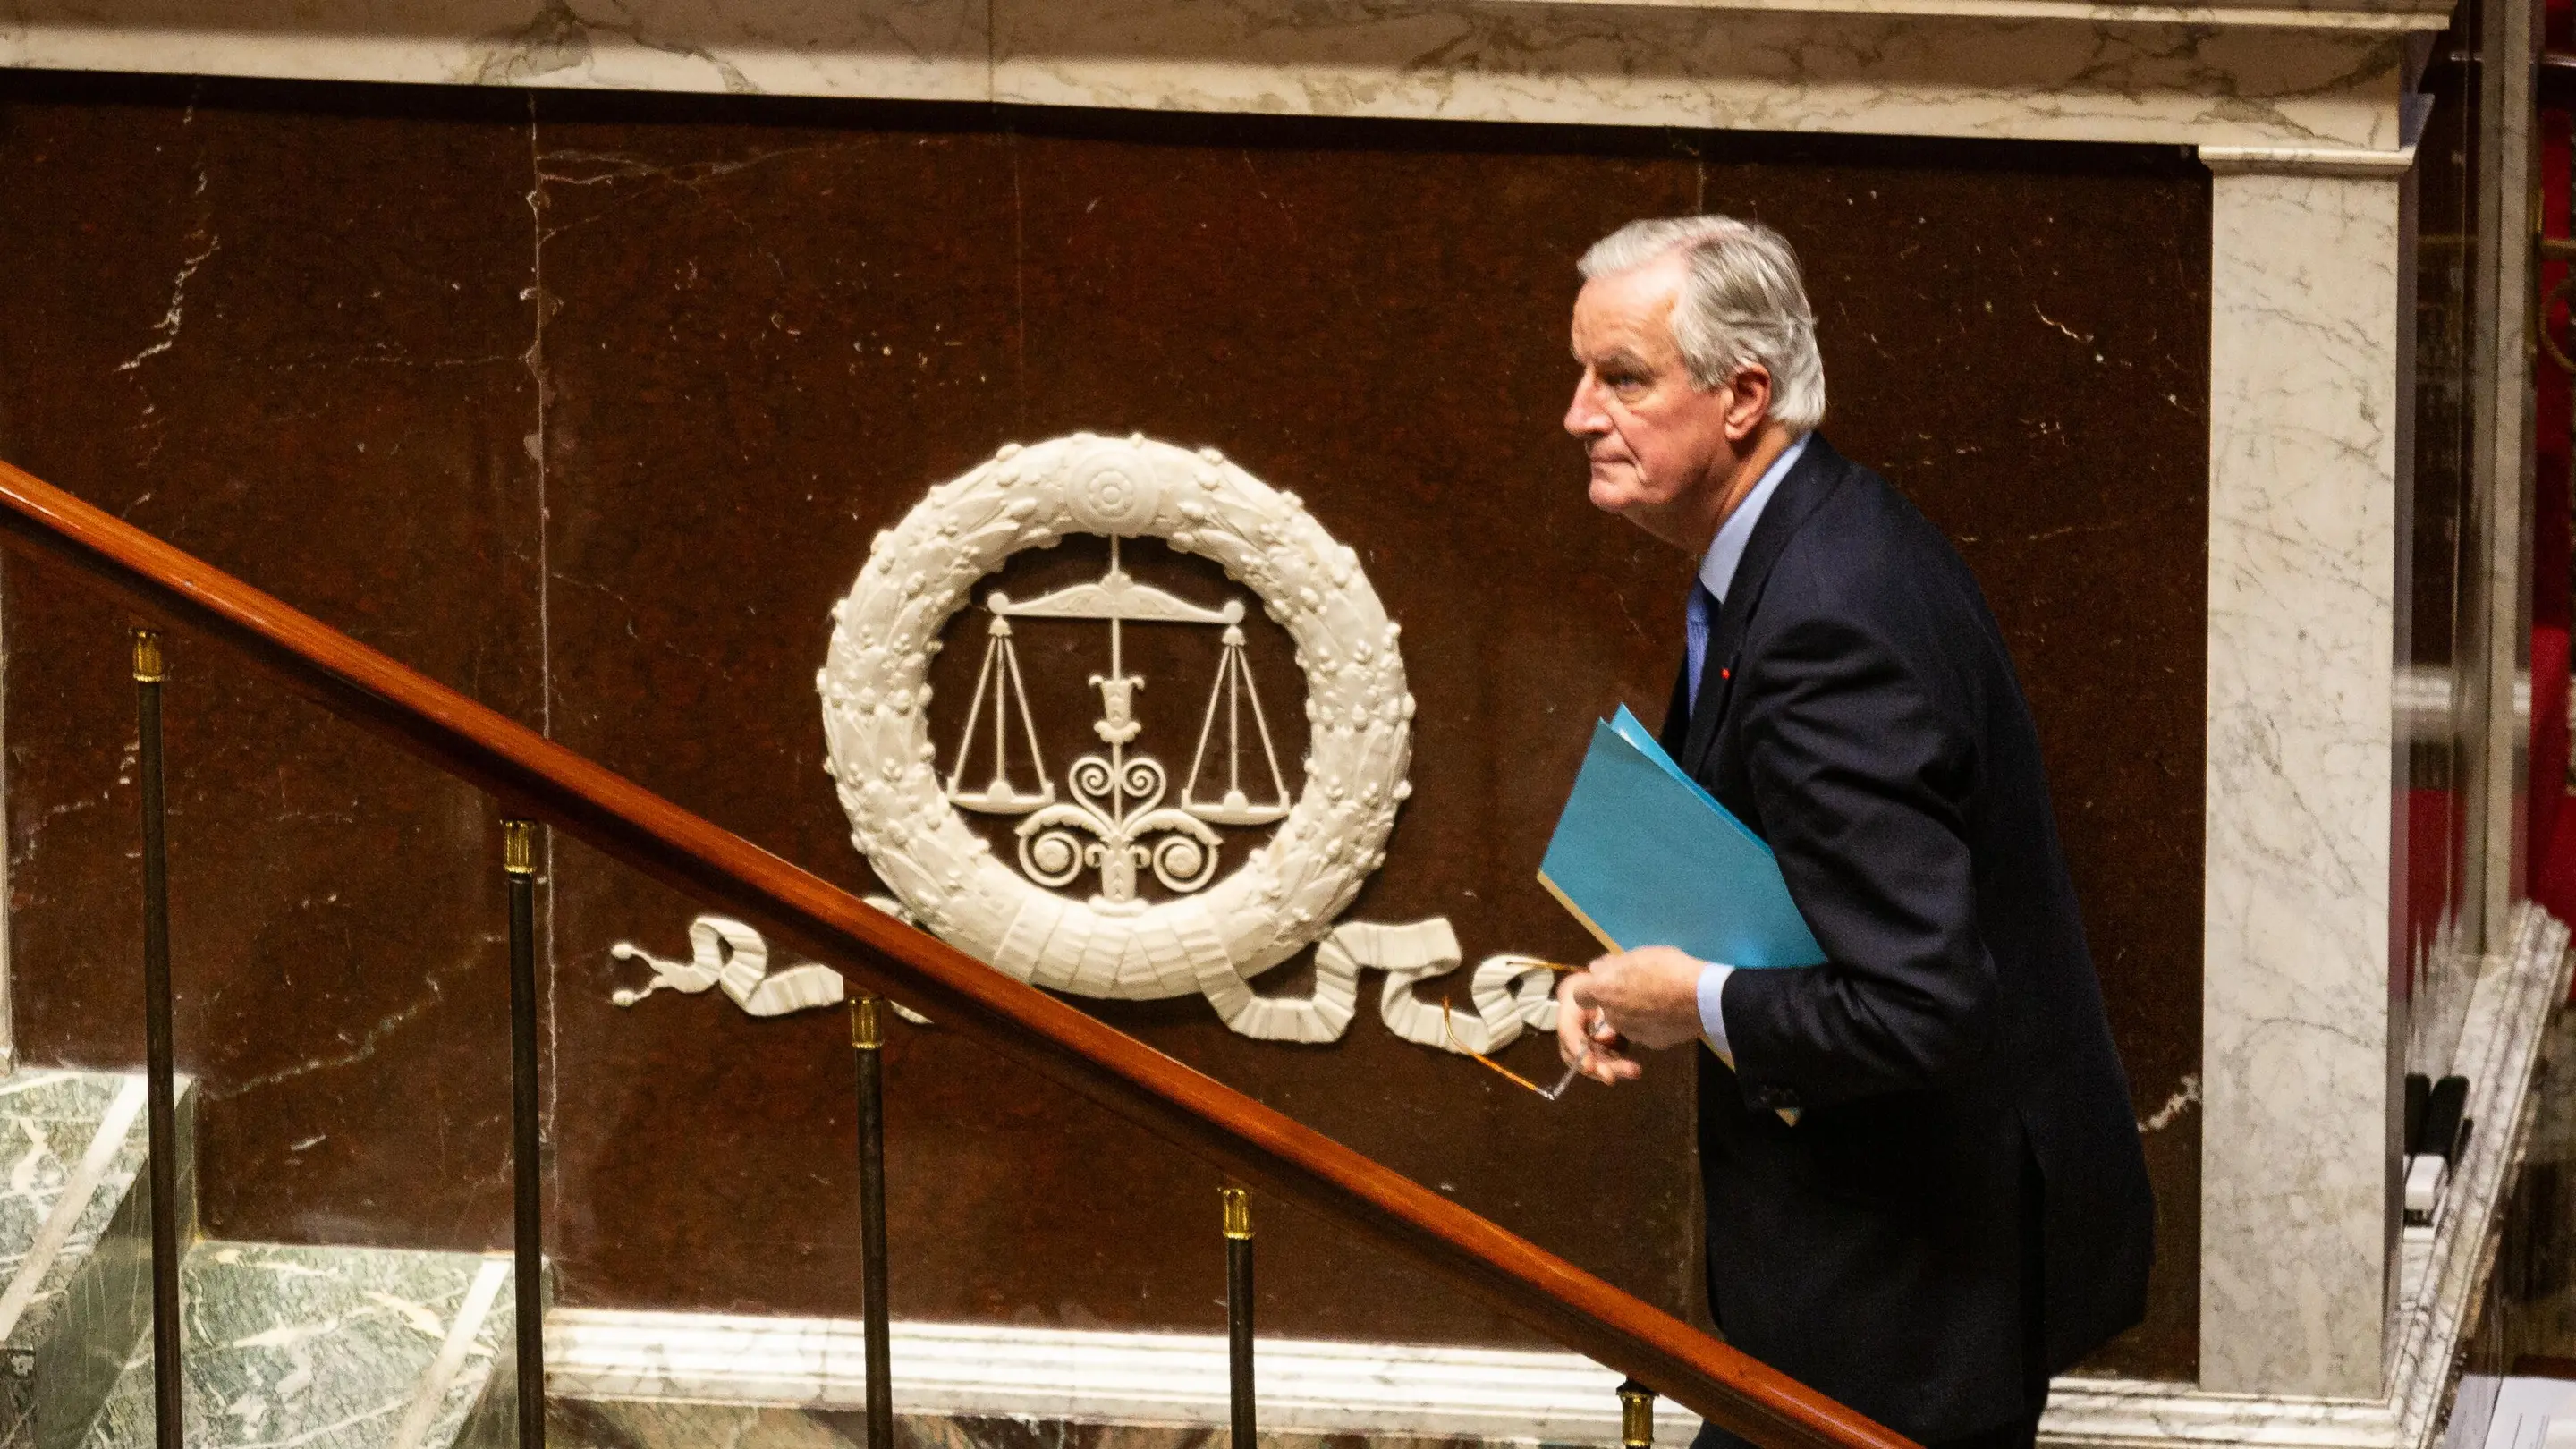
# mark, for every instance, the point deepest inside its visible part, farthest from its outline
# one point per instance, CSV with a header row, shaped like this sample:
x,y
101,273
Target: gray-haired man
x,y
1925,1193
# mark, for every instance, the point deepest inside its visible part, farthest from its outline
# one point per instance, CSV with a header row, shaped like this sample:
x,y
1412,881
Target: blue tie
x,y
1696,622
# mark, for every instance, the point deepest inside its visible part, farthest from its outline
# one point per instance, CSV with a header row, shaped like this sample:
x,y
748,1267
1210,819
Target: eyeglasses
x,y
1450,1039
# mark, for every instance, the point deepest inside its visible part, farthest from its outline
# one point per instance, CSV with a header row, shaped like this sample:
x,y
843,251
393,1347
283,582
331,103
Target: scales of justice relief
x,y
1116,821
1066,910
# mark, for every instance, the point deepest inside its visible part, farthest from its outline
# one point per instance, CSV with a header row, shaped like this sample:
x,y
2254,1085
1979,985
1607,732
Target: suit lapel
x,y
1810,481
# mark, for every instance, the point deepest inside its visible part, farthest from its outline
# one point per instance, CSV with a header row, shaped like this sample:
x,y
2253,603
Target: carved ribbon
x,y
1508,993
725,952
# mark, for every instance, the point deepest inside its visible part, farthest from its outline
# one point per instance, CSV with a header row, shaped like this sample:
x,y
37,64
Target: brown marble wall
x,y
590,405
287,339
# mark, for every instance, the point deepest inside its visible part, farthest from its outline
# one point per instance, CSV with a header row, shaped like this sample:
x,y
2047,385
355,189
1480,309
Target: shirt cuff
x,y
1712,1013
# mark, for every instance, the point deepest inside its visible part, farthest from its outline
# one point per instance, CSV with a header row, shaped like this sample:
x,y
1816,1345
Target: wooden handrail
x,y
535,776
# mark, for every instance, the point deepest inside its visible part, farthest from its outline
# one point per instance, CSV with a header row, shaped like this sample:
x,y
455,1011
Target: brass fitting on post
x,y
1238,1213
867,1028
519,847
1636,1415
148,668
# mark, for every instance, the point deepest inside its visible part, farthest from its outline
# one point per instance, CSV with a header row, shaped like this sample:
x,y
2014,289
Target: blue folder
x,y
1644,857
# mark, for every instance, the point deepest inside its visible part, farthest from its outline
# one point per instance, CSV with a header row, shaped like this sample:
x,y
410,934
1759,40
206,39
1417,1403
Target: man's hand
x,y
1649,997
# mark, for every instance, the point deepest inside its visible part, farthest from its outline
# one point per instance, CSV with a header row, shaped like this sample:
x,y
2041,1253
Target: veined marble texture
x,y
71,1143
1948,74
325,1348
2300,72
1090,1376
2296,1211
584,1424
892,49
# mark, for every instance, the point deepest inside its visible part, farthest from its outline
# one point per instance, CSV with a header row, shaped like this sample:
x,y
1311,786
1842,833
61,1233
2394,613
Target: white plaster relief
x,y
1113,819
2301,72
725,952
2294,1194
1286,893
1505,994
1116,816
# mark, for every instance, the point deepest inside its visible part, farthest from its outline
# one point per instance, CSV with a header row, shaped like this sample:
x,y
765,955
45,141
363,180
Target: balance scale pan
x,y
1002,800
1236,812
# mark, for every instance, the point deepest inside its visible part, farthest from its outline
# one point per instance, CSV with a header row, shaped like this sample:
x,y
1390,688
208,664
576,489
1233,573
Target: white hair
x,y
1741,302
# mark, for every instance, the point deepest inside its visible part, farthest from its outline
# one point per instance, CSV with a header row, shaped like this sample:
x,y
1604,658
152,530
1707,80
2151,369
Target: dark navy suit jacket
x,y
1962,1205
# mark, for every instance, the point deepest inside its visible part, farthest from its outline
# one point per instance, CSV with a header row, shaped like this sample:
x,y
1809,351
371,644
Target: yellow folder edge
x,y
1576,911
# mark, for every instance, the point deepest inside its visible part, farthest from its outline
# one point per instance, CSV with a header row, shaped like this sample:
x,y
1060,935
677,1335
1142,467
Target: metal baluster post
x,y
168,1398
1238,1312
1636,1415
867,1037
519,865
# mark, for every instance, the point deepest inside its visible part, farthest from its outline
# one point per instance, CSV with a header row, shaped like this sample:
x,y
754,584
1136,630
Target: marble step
x,y
330,1348
75,1244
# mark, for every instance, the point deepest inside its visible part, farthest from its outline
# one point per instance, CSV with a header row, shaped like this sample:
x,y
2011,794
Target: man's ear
x,y
1749,401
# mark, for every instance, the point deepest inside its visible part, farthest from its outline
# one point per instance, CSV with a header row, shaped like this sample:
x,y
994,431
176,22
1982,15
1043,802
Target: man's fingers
x,y
1573,1045
1585,1038
1608,1063
1576,1020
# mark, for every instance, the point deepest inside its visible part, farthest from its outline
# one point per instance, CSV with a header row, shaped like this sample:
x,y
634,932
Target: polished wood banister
x,y
534,776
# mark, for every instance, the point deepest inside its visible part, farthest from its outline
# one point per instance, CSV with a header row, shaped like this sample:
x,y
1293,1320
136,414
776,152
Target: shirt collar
x,y
1717,570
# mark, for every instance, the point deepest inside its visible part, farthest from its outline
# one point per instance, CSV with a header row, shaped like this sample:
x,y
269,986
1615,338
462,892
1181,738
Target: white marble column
x,y
2298,1209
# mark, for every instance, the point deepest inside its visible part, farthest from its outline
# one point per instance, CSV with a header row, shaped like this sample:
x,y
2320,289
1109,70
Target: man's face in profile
x,y
1657,444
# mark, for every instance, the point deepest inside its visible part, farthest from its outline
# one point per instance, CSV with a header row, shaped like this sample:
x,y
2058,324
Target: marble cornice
x,y
2396,17
2207,74
2345,161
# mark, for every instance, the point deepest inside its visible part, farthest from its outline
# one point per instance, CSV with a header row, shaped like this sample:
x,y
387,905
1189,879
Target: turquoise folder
x,y
1644,857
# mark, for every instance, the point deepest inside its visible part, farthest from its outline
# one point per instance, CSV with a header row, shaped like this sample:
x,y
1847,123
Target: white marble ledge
x,y
2342,161
883,49
1737,69
2397,15
2318,73
1091,1376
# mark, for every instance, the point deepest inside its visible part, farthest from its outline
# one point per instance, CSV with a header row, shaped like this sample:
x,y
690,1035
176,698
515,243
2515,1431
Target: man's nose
x,y
1583,416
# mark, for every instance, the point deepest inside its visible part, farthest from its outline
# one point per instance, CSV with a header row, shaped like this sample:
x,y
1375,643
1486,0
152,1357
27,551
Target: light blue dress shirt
x,y
1716,574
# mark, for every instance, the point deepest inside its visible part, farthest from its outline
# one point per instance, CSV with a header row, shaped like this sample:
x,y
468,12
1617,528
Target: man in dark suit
x,y
1924,1188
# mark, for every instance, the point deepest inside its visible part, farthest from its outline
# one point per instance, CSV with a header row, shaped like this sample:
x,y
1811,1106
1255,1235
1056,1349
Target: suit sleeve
x,y
1862,780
